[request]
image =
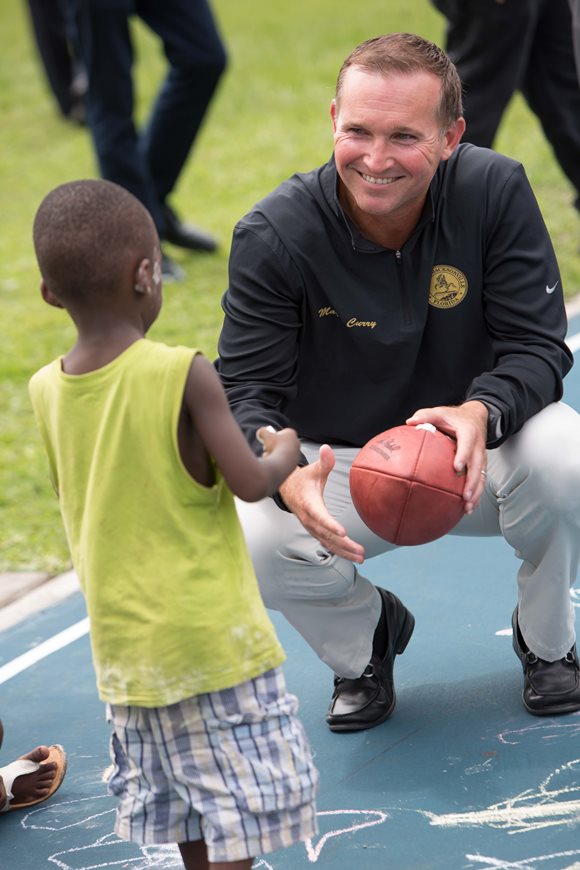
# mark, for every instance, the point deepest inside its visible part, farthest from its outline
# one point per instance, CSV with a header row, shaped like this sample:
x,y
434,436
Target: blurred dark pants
x,y
57,51
575,7
148,163
526,45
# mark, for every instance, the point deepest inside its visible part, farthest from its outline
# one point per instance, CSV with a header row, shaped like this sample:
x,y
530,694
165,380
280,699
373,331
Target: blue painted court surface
x,y
460,777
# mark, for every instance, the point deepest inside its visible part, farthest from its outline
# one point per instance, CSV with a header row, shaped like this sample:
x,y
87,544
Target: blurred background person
x,y
149,162
64,71
501,46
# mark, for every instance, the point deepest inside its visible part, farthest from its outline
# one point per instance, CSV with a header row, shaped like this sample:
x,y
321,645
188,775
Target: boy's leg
x,y
237,865
226,774
194,856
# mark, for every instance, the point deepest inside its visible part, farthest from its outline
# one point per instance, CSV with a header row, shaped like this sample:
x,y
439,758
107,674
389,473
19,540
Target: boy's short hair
x,y
408,53
89,236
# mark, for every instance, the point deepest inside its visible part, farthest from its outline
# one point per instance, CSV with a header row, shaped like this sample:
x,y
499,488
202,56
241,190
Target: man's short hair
x,y
89,237
408,53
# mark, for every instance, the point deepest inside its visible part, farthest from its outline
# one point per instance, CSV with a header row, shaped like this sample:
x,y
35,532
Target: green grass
x,y
269,119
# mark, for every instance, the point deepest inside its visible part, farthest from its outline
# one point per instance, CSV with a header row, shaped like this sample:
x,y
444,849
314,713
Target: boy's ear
x,y
49,296
143,277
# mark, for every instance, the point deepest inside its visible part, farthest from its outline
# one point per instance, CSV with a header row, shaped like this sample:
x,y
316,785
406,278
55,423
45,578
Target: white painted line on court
x,y
508,817
313,851
47,595
53,644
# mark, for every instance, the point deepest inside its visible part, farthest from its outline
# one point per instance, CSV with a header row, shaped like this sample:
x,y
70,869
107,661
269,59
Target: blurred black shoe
x,y
77,109
170,270
77,113
185,235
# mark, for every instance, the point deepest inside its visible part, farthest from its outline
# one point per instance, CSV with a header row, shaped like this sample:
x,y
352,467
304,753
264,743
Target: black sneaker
x,y
184,235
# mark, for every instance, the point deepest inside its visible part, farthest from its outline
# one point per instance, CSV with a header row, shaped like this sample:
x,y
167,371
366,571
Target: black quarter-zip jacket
x,y
341,338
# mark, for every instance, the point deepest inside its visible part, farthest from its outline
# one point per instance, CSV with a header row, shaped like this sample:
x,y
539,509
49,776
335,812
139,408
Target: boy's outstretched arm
x,y
248,476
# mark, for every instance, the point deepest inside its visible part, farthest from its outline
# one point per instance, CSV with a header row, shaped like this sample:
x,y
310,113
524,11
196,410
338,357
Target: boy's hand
x,y
303,495
285,439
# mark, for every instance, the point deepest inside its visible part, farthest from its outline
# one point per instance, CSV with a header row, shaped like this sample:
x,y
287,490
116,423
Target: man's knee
x,y
289,563
209,69
193,54
298,571
549,447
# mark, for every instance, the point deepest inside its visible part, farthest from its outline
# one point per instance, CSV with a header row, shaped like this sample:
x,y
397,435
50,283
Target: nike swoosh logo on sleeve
x,y
551,289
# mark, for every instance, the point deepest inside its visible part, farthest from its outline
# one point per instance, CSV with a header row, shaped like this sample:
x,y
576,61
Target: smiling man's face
x,y
388,143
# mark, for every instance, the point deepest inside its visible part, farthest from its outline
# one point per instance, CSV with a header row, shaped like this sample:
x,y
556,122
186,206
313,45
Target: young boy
x,y
145,455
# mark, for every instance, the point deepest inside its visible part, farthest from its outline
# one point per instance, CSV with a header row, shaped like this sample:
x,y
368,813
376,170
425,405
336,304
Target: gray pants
x,y
532,498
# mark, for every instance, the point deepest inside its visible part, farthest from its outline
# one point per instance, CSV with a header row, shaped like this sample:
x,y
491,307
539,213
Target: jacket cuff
x,y
277,498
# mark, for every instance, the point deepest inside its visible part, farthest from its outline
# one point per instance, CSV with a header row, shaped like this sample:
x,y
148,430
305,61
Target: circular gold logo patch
x,y
448,287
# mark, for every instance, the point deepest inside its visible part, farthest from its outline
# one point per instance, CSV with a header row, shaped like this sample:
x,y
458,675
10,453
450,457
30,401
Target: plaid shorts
x,y
232,768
